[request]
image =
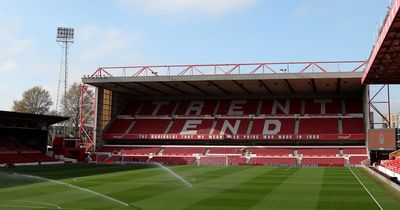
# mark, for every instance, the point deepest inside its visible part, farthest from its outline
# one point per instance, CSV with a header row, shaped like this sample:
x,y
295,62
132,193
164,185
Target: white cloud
x,y
8,66
189,8
302,11
11,46
106,44
14,49
10,40
306,10
6,97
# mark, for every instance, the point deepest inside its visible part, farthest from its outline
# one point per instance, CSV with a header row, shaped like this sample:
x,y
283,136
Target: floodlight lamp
x,y
65,34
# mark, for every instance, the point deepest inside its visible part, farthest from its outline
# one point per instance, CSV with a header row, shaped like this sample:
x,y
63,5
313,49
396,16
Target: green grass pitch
x,y
84,186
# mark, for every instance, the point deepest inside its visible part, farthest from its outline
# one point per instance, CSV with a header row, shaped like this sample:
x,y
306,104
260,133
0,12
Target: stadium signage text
x,y
239,136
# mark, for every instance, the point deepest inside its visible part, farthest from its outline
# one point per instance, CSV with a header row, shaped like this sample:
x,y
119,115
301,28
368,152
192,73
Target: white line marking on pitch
x,y
26,207
288,168
76,179
152,181
366,189
43,203
74,186
34,207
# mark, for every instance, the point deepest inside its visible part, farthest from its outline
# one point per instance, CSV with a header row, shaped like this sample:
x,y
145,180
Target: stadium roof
x,y
384,62
235,79
28,117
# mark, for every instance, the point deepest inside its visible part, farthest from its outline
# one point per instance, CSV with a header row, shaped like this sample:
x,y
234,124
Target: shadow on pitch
x,y
56,172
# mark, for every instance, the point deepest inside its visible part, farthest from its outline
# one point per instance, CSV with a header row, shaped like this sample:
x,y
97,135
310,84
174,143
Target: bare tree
x,y
71,108
35,100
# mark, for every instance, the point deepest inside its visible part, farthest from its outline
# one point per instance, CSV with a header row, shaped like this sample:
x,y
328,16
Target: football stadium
x,y
266,135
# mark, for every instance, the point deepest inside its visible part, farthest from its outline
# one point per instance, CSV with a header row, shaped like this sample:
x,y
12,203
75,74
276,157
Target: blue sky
x,y
138,32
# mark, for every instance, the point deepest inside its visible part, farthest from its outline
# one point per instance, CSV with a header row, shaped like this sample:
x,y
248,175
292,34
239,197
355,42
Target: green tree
x,y
35,100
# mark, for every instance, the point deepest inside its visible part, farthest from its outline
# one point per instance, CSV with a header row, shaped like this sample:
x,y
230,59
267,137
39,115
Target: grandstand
x,y
23,138
237,114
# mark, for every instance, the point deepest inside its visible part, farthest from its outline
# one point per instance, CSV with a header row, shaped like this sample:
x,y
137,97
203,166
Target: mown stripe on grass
x,y
300,191
133,188
366,189
213,184
247,193
73,170
335,195
387,197
124,178
54,193
136,193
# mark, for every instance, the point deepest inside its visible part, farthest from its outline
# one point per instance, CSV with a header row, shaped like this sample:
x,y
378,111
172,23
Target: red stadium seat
x,y
334,161
229,126
14,152
224,150
173,160
321,152
196,126
310,122
237,107
157,108
281,107
131,108
119,126
322,106
137,151
271,151
233,117
236,160
183,151
393,165
213,160
353,125
318,126
356,160
284,126
149,126
272,161
140,159
207,107
353,105
354,151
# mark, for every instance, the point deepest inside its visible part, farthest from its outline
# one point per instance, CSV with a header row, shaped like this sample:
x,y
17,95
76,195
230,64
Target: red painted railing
x,y
229,69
